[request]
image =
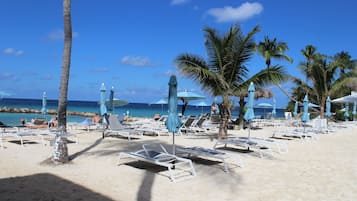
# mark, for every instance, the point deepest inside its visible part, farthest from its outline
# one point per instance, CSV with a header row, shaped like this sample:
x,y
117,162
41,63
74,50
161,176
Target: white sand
x,y
325,169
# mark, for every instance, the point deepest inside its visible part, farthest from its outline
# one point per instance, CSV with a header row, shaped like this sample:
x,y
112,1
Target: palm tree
x,y
272,49
225,71
344,61
61,152
309,53
325,81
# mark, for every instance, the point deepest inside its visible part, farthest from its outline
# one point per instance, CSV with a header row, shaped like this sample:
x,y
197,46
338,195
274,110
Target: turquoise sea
x,y
134,109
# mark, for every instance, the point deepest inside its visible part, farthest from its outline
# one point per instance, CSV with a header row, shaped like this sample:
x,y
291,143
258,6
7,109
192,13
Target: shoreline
x,y
51,112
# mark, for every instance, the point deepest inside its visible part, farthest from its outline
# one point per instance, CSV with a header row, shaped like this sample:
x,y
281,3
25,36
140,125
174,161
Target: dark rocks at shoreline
x,y
50,112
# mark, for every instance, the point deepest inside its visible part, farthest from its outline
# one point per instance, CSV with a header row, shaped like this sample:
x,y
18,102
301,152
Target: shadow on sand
x,y
45,187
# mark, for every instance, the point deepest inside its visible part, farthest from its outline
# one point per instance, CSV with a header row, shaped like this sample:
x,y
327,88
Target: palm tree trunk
x,y
241,111
224,110
60,149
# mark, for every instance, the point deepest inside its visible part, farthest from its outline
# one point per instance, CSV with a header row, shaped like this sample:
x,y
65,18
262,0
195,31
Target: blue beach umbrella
x,y
161,102
202,104
305,115
111,100
44,104
347,113
186,96
295,109
354,108
273,112
173,122
102,107
249,114
328,107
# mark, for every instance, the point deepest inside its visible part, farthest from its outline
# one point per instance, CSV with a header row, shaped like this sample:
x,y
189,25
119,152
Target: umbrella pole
x,y
173,148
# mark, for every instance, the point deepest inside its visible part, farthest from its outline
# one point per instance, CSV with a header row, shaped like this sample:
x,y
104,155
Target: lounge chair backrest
x,y
200,121
189,121
114,122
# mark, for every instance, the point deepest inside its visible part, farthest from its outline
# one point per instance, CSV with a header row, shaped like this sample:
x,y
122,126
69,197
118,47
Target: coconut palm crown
x,y
224,73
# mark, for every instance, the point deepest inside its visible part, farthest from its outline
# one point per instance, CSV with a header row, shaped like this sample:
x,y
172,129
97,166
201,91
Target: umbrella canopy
x,y
102,107
296,109
249,114
186,96
202,104
264,105
305,115
117,102
313,105
347,113
328,107
44,104
173,122
161,102
345,99
354,108
111,99
273,112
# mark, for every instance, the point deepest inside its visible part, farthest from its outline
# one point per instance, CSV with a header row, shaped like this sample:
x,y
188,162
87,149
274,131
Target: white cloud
x,y
9,50
19,52
179,2
136,61
228,13
59,35
12,51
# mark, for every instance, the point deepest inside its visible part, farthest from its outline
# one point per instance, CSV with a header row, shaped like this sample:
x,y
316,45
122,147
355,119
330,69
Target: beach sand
x,y
323,169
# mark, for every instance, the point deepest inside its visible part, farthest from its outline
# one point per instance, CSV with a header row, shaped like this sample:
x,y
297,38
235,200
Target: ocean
x,y
134,110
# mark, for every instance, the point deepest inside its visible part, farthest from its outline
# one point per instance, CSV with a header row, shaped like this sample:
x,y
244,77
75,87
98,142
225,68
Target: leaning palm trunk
x,y
225,113
60,153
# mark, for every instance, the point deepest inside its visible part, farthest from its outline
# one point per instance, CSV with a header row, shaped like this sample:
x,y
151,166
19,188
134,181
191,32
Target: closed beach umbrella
x,y
249,114
186,96
111,100
328,107
305,115
102,107
44,104
295,109
347,113
273,112
173,122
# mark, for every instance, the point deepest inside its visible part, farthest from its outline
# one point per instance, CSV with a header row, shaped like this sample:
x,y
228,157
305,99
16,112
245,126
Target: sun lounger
x,y
244,143
115,126
206,153
175,165
300,133
15,132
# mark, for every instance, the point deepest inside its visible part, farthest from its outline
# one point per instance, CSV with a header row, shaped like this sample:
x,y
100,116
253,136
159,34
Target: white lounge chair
x,y
207,153
16,132
174,164
245,143
114,126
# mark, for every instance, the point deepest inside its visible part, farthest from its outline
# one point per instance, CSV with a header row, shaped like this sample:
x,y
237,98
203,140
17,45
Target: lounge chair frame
x,y
207,153
173,163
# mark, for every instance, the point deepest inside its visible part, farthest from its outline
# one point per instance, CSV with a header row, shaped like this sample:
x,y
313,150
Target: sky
x,y
131,45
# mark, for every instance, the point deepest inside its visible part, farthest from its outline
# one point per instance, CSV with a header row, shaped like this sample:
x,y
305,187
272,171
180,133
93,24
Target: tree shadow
x,y
75,155
45,187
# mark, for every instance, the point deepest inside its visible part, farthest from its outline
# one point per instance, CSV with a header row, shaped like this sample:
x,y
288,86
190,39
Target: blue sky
x,y
131,44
